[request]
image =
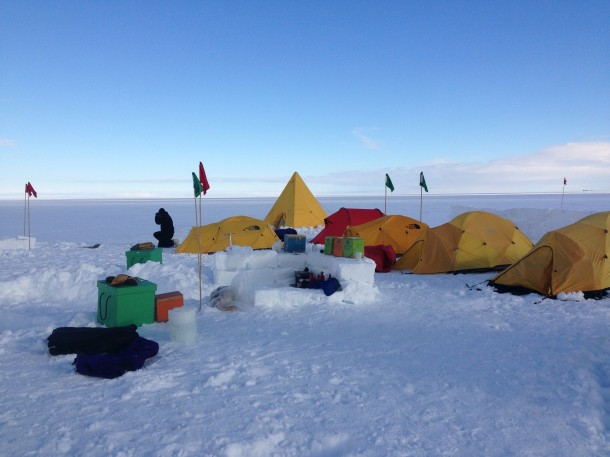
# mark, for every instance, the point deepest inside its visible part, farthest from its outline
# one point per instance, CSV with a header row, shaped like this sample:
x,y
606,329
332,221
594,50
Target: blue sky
x,y
122,99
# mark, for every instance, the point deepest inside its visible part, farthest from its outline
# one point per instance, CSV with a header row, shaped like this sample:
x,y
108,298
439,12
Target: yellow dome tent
x,y
570,259
476,240
397,231
236,230
296,207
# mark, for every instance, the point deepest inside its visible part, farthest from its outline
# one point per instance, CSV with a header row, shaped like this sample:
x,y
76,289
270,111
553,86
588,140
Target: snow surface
x,y
432,367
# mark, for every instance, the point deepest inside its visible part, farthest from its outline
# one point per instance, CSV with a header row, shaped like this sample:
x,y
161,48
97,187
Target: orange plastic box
x,y
338,247
165,302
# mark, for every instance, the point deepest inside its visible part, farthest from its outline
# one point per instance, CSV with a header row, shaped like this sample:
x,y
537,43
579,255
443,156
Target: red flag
x,y
203,179
564,181
29,189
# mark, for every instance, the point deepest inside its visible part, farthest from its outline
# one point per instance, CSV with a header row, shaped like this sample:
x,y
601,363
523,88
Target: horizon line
x,y
321,196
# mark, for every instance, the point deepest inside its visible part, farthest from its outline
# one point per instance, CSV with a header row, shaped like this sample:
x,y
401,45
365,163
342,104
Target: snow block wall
x,y
21,242
265,278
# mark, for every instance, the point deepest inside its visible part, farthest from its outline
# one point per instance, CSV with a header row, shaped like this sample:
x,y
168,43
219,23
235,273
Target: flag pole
x,y
201,185
199,258
29,229
421,201
197,190
422,187
25,204
196,221
197,227
385,208
563,190
199,265
385,201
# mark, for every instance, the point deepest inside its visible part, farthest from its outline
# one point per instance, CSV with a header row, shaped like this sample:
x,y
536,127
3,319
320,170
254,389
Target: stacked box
x,y
353,245
124,305
294,243
165,302
301,279
329,243
338,247
143,256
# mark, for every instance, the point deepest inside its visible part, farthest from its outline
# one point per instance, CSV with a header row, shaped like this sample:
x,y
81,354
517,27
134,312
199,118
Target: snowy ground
x,y
433,368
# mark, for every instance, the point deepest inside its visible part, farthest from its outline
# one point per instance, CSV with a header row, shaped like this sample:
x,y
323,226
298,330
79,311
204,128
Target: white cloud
x,y
6,143
366,140
585,165
594,152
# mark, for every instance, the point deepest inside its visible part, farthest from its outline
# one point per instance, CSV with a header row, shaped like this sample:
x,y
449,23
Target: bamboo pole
x,y
25,204
199,260
421,202
385,207
385,201
29,227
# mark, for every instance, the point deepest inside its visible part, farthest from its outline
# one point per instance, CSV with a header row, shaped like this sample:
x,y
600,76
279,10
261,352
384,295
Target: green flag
x,y
197,185
388,183
422,181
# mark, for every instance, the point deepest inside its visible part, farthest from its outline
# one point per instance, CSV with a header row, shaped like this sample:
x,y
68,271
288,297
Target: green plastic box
x,y
124,305
329,244
143,256
353,245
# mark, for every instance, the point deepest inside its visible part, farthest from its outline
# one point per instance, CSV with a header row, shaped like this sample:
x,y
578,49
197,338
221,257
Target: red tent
x,y
335,224
383,256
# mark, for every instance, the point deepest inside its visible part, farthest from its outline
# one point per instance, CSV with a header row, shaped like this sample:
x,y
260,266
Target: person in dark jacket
x,y
166,233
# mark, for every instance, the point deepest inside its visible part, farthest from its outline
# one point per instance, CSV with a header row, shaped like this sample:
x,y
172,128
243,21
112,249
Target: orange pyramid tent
x,y
570,259
476,240
296,207
396,230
